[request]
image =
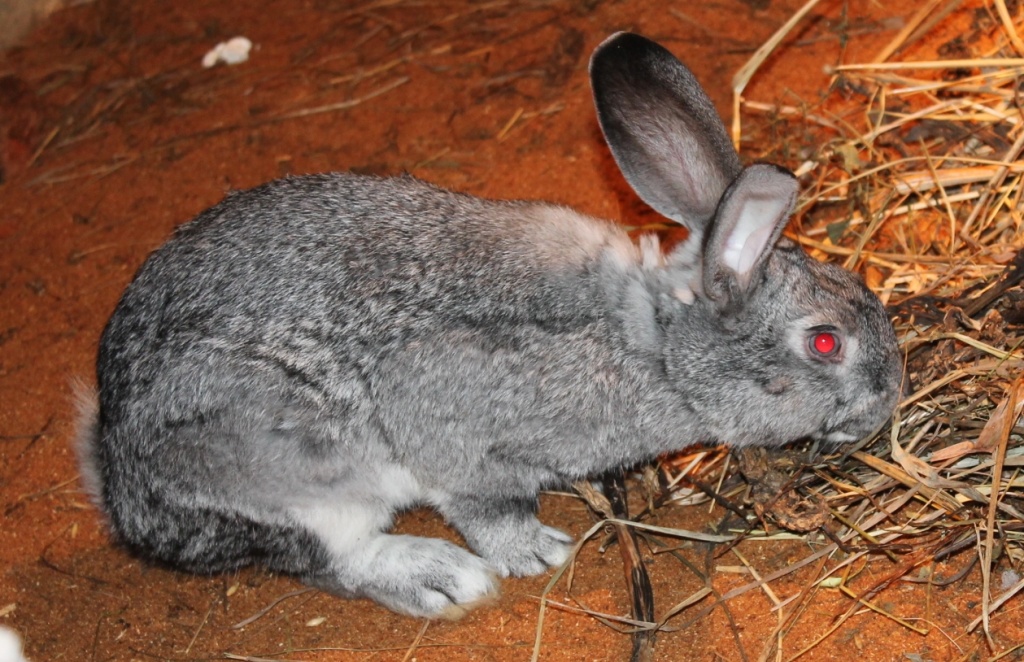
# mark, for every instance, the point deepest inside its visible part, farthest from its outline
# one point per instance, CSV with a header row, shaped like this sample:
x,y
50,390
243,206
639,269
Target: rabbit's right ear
x,y
751,216
662,129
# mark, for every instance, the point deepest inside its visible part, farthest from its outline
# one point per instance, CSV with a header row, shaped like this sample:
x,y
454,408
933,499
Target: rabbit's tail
x,y
86,432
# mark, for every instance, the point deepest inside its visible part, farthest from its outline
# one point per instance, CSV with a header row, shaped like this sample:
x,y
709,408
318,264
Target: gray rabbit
x,y
310,356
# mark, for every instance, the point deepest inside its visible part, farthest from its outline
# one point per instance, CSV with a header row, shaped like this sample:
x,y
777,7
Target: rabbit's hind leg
x,y
208,540
424,577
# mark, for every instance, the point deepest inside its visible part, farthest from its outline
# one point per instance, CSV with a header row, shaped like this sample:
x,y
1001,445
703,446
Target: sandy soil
x,y
114,134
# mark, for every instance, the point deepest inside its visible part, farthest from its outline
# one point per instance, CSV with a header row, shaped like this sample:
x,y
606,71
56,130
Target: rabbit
x,y
309,357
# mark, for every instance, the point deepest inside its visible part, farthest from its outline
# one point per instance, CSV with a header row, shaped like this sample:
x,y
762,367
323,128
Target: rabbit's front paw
x,y
539,548
517,545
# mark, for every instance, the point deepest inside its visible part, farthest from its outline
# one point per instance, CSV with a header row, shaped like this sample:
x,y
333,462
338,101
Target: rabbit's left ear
x,y
749,220
662,129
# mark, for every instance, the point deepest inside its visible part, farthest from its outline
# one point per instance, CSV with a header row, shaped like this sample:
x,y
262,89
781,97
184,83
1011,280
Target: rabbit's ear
x,y
662,129
751,216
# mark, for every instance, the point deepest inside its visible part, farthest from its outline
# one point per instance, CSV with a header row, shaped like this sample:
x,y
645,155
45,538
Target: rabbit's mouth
x,y
839,437
853,430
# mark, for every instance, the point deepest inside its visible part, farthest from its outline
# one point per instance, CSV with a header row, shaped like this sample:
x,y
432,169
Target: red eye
x,y
825,343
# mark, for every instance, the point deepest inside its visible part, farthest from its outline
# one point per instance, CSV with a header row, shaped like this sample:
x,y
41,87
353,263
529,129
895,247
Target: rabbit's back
x,y
369,258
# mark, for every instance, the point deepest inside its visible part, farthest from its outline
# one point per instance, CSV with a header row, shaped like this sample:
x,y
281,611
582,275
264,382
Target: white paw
x,y
426,577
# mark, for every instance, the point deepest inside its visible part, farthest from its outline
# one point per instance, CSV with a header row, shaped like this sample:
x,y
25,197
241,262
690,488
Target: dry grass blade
x,y
557,577
1007,424
263,612
344,105
875,608
948,503
998,602
743,76
416,642
926,10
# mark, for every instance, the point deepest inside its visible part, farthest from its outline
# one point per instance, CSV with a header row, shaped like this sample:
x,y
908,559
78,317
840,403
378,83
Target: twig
x,y
262,612
416,641
341,105
638,582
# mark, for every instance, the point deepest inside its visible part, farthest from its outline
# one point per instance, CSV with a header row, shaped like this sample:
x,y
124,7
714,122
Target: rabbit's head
x,y
768,344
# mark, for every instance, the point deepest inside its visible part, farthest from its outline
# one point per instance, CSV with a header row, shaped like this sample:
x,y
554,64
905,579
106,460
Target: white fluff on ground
x,y
10,646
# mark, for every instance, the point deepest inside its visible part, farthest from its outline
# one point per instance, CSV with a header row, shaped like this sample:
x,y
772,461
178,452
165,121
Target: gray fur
x,y
308,357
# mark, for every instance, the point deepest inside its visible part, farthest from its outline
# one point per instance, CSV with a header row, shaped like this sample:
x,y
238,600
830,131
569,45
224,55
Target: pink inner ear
x,y
752,248
758,215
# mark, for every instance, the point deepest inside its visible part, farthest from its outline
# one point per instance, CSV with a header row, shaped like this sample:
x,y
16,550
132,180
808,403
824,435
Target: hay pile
x,y
916,185
925,174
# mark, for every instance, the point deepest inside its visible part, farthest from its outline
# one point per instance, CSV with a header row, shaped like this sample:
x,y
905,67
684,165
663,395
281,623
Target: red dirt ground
x,y
114,134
